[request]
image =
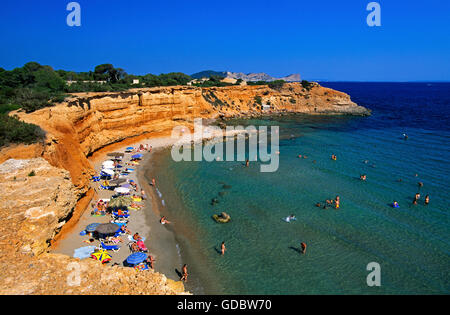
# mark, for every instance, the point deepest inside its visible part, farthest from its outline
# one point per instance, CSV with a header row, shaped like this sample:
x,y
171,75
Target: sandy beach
x,y
158,239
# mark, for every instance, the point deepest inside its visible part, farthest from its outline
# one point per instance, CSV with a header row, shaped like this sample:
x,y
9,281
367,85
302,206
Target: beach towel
x,y
83,252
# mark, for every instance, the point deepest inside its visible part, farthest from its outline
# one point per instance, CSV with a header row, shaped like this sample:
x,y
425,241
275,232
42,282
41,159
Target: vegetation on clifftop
x,y
35,86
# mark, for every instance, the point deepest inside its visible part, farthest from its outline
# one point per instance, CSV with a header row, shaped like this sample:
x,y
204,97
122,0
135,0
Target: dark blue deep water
x,y
410,243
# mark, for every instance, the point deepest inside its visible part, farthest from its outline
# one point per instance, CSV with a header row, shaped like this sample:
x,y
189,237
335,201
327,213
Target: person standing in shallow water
x,y
303,247
427,199
222,248
246,163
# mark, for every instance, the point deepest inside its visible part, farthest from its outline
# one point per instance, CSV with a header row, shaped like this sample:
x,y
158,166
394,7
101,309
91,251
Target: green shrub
x,y
12,130
258,100
276,85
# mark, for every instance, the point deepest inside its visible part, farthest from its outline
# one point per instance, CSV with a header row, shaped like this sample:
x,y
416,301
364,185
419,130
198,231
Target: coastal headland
x,y
46,186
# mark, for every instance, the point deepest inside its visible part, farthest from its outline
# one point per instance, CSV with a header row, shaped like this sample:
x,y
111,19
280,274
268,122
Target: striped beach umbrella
x,y
91,227
136,258
102,256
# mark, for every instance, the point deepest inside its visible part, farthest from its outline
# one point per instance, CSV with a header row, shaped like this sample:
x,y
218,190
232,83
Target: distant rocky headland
x,y
251,77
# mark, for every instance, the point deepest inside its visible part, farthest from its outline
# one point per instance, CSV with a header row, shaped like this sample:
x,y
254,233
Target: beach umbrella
x,y
117,182
118,202
101,256
115,154
91,227
136,156
136,258
108,171
83,252
107,228
122,190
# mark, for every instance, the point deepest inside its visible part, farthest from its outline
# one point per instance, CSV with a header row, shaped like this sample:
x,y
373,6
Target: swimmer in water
x,y
363,177
427,199
337,202
290,218
395,204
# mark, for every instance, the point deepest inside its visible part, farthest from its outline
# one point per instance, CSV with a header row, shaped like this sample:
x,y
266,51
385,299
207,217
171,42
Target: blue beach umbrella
x,y
91,227
136,258
136,156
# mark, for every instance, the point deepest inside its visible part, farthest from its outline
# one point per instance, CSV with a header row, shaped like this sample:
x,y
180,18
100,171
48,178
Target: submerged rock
x,y
222,218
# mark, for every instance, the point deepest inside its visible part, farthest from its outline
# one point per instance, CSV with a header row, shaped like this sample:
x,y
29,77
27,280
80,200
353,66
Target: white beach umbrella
x,y
122,190
108,163
108,171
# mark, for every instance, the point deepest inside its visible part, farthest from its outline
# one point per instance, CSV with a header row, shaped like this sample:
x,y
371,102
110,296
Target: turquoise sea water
x,y
411,243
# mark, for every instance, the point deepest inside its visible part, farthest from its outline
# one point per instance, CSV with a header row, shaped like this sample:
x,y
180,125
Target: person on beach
x,y
222,248
150,260
427,199
154,182
185,273
164,220
143,196
137,237
134,247
303,247
123,229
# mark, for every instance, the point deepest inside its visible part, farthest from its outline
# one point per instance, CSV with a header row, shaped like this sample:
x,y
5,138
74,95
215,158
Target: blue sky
x,y
326,39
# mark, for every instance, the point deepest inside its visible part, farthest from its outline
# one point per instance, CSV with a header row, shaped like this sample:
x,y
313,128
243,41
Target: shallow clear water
x,y
411,243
